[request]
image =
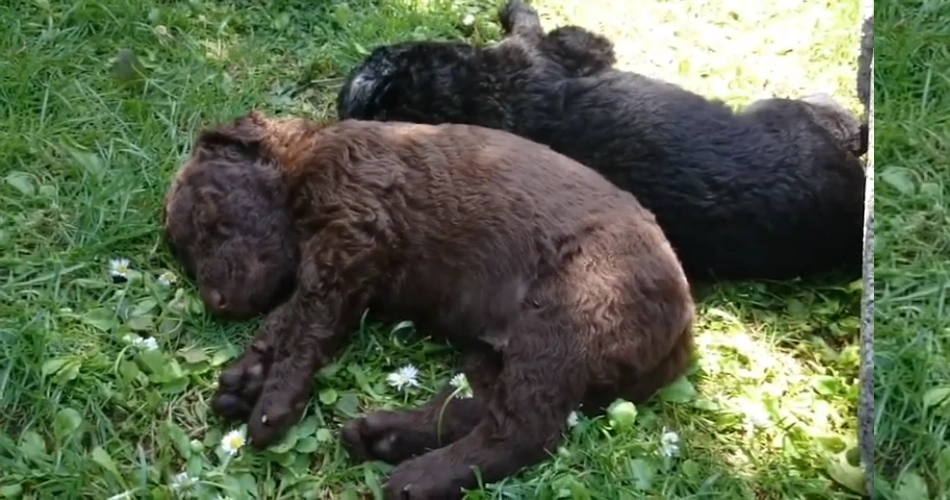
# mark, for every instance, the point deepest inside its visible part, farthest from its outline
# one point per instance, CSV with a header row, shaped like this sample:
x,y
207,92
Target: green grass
x,y
86,159
912,344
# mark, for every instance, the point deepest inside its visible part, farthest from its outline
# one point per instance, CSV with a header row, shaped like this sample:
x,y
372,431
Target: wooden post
x,y
865,86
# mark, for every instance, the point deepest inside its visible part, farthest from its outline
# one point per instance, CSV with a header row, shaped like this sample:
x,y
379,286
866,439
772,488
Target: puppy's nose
x,y
217,300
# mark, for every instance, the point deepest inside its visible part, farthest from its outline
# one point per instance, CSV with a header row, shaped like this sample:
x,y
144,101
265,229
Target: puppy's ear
x,y
206,205
367,86
246,132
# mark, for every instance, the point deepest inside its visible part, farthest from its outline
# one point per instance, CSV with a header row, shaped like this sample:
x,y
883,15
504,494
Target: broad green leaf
x,y
899,178
233,486
11,491
194,355
175,386
943,465
52,366
347,405
141,323
33,446
845,474
350,493
307,444
101,457
128,371
690,469
90,162
22,182
66,422
643,473
622,414
911,486
144,306
680,391
307,427
371,480
69,371
169,326
224,355
936,396
328,396
324,435
179,439
156,362
248,484
101,318
285,445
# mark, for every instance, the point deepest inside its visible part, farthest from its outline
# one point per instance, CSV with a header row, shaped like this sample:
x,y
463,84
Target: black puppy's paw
x,y
380,436
239,385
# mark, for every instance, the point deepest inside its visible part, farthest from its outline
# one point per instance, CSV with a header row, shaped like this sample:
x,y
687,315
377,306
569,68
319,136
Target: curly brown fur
x,y
760,195
557,297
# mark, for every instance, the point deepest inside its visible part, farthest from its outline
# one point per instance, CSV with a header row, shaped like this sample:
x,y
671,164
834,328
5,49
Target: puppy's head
x,y
409,81
842,124
225,218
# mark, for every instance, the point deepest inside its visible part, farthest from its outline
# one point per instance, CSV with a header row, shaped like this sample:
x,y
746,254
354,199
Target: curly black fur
x,y
773,192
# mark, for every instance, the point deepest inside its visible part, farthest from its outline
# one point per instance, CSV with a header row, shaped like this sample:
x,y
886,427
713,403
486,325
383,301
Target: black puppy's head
x,y
225,217
409,81
841,123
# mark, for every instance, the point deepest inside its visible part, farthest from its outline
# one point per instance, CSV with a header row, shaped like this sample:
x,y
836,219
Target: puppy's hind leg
x,y
640,388
395,436
579,51
519,19
541,381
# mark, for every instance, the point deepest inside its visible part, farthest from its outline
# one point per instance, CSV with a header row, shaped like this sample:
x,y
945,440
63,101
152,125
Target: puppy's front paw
x,y
381,436
280,406
425,478
240,384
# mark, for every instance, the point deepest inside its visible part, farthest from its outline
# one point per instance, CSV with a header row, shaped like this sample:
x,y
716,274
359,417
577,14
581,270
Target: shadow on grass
x,y
86,413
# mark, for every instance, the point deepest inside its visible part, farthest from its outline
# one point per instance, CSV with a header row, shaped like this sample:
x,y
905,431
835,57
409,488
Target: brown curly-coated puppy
x,y
559,288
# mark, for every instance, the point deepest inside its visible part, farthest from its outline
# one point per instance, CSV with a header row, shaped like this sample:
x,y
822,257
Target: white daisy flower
x,y
146,343
461,383
573,419
119,269
182,480
233,441
757,416
404,377
670,442
167,278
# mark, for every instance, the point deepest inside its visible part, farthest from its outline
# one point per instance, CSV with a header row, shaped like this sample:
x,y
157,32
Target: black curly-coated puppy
x,y
773,192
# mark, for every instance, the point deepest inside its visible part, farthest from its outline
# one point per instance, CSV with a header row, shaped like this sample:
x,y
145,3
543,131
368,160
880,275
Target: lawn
x,y
912,273
87,411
